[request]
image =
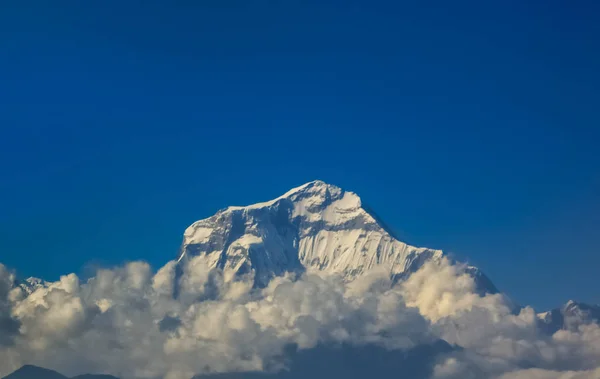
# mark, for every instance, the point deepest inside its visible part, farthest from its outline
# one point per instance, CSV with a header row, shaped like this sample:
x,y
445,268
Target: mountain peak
x,y
312,184
316,188
316,226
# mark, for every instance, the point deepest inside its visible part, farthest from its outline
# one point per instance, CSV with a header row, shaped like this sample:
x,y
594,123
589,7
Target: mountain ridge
x,y
36,372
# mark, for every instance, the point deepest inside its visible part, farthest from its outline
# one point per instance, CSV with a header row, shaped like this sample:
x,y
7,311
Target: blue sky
x,y
468,127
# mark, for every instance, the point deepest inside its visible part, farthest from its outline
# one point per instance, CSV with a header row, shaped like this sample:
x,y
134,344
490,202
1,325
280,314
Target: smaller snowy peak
x,y
568,317
588,311
571,305
31,284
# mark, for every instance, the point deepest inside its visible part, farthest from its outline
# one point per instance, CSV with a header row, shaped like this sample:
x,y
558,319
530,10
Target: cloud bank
x,y
184,320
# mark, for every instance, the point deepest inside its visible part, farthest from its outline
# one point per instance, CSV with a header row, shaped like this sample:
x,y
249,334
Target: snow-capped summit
x,y
316,226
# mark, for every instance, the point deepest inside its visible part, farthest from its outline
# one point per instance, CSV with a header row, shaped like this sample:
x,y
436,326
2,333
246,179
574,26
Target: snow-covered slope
x,y
316,226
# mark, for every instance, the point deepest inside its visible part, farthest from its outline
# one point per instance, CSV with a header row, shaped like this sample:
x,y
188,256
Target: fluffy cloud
x,y
132,323
496,340
184,320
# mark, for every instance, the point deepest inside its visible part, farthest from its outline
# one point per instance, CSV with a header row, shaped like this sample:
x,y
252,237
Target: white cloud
x,y
496,340
133,323
127,321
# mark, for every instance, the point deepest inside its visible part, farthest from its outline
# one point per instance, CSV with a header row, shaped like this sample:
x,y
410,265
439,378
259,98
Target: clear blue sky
x,y
467,126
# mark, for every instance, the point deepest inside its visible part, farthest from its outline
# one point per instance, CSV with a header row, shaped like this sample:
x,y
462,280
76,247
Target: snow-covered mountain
x,y
316,226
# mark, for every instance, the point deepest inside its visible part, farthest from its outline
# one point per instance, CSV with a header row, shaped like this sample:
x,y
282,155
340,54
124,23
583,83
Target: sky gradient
x,y
467,127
